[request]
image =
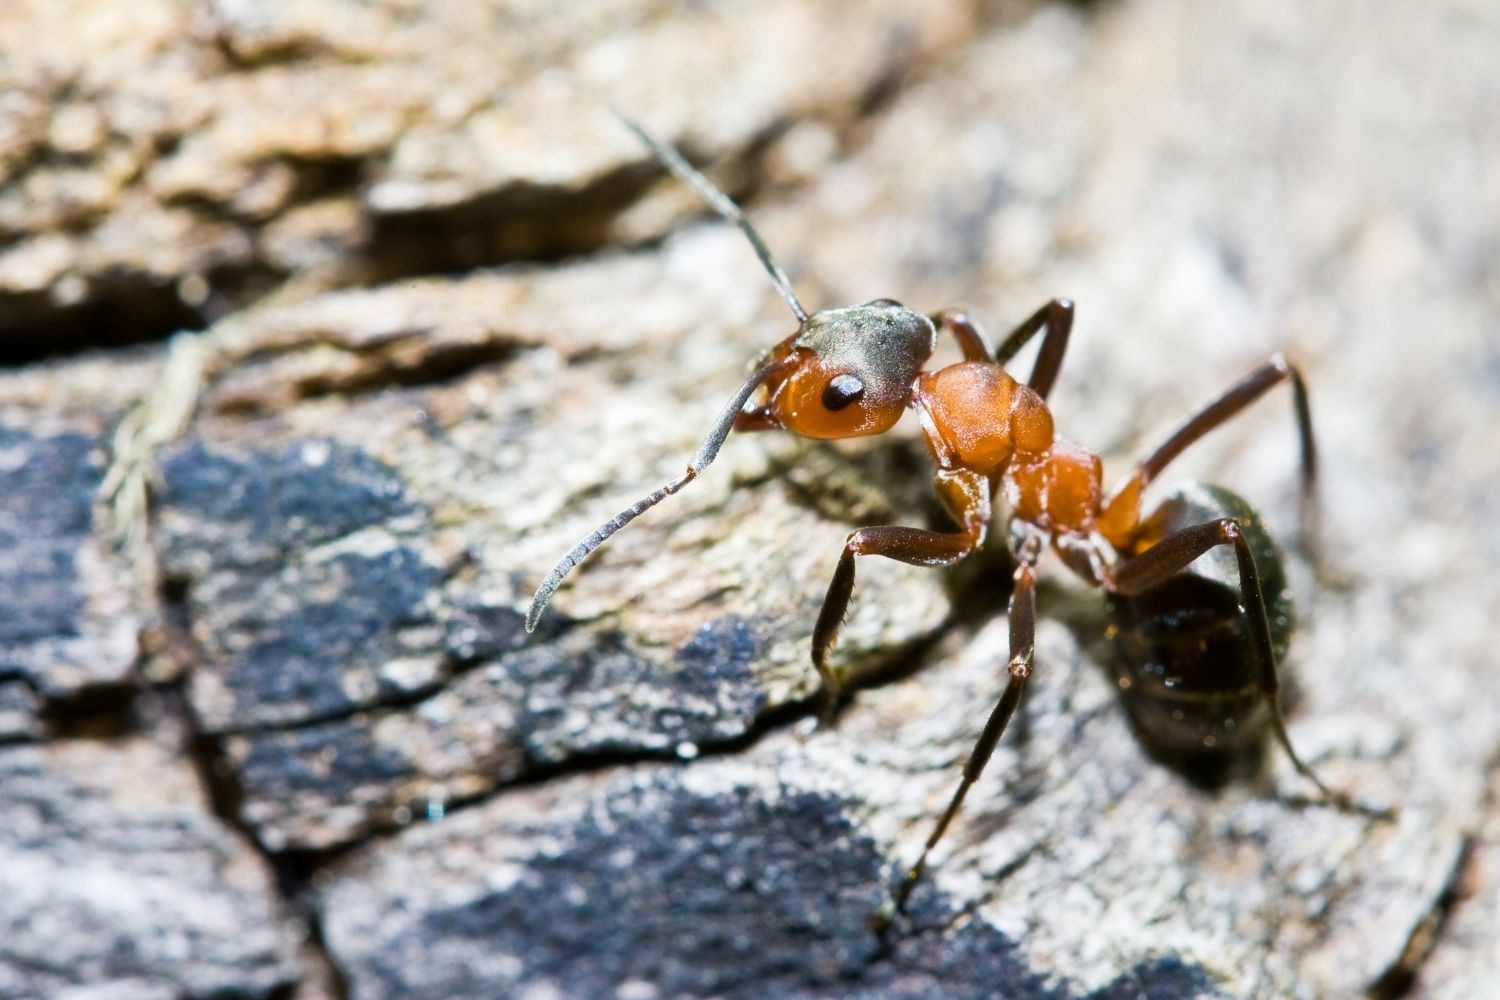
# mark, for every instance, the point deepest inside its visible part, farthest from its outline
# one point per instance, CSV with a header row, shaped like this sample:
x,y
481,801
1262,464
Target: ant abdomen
x,y
1183,652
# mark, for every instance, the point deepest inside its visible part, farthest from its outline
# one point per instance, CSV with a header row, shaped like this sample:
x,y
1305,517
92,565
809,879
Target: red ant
x,y
1199,673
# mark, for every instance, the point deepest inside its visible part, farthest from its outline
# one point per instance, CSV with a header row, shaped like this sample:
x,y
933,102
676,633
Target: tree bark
x,y
306,655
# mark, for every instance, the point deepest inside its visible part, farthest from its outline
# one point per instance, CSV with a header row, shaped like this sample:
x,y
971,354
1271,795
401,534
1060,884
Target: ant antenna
x,y
721,203
706,454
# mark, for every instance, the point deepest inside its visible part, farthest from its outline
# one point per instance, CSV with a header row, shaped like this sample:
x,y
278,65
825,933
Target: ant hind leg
x,y
1175,552
1121,510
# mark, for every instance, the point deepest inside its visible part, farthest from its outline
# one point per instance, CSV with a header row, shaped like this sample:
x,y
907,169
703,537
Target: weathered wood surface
x,y
180,160
325,630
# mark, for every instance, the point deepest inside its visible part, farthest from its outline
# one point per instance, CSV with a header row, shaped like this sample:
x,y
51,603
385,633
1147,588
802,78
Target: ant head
x,y
844,373
850,371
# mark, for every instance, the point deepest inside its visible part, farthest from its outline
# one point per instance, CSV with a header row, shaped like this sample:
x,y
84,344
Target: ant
x,y
1200,648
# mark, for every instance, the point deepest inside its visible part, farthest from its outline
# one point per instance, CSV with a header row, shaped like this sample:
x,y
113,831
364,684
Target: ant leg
x,y
1121,512
1057,317
966,495
1173,553
1022,648
964,330
759,418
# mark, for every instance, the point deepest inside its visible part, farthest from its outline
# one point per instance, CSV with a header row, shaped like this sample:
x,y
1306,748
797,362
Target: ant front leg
x,y
1022,651
1157,564
966,332
757,418
1057,318
966,496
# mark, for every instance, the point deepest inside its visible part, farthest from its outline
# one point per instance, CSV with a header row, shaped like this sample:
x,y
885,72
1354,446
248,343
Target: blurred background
x,y
326,327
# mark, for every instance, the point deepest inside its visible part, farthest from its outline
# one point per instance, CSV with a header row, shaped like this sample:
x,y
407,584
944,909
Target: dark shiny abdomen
x,y
1183,659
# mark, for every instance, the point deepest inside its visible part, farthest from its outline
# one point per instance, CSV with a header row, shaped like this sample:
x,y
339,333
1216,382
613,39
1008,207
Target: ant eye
x,y
887,303
843,390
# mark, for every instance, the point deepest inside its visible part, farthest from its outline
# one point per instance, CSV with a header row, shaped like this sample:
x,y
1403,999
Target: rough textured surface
x,y
1454,952
292,556
627,803
772,885
115,881
359,635
162,167
71,620
19,707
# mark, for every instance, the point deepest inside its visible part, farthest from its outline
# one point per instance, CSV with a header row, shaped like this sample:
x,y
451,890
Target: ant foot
x,y
1381,813
828,712
881,919
1330,799
829,696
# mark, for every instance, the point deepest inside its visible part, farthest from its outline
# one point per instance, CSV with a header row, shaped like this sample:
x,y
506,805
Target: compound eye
x,y
885,303
843,390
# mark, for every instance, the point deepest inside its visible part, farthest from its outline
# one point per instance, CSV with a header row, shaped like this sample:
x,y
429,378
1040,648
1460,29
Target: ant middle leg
x,y
1022,652
1121,512
966,496
1175,552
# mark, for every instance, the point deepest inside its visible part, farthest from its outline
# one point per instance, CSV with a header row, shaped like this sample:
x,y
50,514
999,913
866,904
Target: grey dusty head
x,y
882,345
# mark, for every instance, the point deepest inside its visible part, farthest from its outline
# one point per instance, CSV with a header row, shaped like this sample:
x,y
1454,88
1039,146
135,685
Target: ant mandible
x,y
852,371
